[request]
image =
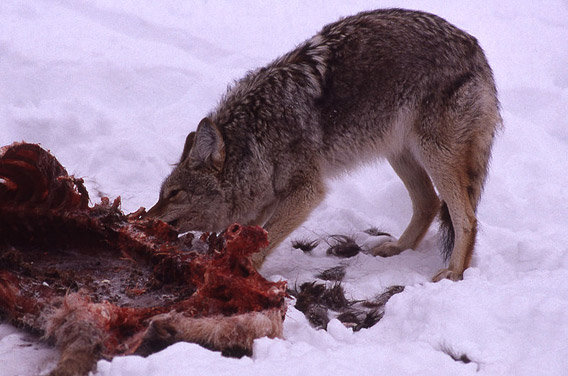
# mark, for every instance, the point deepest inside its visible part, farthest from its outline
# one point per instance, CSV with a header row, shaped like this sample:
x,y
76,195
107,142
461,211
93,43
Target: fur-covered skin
x,y
399,84
80,329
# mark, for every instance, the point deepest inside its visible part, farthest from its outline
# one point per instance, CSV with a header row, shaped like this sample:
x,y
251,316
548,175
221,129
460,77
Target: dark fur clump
x,y
336,273
334,298
304,245
308,301
458,357
382,299
366,313
358,320
317,300
317,315
343,246
312,293
320,302
373,231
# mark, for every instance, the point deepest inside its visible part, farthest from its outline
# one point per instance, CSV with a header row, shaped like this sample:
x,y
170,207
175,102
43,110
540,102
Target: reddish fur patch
x,y
470,246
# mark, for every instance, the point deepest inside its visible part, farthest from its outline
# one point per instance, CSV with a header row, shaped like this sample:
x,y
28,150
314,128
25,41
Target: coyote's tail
x,y
446,232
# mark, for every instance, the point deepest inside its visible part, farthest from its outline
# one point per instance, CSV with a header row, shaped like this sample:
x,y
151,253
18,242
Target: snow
x,y
112,89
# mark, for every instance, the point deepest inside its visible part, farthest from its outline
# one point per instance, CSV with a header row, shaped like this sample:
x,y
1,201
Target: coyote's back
x,y
403,85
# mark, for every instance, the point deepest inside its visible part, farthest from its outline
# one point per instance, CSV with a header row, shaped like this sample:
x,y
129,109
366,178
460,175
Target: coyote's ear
x,y
187,147
208,146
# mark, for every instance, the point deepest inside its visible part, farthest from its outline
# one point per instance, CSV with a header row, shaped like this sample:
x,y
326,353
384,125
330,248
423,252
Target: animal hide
x,y
99,283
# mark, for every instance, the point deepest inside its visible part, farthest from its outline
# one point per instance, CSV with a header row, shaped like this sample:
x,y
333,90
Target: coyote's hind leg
x,y
425,204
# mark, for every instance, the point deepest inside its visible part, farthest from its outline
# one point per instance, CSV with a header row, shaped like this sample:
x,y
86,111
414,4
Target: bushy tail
x,y
446,232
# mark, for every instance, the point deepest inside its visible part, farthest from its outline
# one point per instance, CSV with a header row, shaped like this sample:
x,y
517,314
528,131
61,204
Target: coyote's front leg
x,y
290,211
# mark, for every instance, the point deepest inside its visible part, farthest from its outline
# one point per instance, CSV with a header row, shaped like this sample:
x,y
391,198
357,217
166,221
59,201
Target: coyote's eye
x,y
174,193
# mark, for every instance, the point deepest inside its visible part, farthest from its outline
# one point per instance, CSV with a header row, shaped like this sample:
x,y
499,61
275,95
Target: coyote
x,y
399,84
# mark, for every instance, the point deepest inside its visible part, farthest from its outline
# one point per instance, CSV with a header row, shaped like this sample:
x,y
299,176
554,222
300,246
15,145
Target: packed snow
x,y
112,89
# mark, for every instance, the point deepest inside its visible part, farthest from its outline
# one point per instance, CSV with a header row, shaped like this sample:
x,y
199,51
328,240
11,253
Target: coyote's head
x,y
192,197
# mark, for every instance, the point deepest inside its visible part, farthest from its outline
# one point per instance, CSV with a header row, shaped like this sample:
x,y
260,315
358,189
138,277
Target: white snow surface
x,y
113,87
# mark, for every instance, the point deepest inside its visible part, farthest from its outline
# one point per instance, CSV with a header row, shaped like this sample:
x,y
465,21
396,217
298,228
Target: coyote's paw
x,y
447,274
387,249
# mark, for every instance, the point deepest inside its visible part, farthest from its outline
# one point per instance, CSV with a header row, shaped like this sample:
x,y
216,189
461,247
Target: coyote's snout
x,y
404,85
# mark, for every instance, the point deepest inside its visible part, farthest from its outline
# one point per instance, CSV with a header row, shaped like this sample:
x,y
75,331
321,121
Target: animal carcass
x,y
99,283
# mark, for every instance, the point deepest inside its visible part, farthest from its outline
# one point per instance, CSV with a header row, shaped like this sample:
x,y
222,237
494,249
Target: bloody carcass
x,y
99,283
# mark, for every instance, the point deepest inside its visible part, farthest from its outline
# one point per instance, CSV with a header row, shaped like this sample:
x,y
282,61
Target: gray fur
x,y
403,85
